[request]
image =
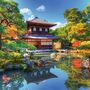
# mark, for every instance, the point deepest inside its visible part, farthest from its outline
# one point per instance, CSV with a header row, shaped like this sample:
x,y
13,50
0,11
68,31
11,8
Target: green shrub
x,y
84,47
2,54
18,45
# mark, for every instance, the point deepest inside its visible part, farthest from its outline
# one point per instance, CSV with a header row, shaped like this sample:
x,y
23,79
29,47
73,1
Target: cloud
x,y
59,24
31,17
26,11
41,8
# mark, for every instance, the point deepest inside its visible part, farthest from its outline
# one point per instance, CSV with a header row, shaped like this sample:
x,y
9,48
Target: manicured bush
x,y
18,45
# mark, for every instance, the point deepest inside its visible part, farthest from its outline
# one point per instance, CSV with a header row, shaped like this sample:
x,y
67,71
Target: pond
x,y
67,74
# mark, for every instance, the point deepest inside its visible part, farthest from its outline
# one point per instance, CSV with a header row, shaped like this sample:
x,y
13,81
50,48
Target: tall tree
x,y
10,15
73,15
86,13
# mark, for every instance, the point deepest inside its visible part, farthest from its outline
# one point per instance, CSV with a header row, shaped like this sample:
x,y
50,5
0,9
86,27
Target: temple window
x,y
50,43
46,29
34,29
40,29
46,43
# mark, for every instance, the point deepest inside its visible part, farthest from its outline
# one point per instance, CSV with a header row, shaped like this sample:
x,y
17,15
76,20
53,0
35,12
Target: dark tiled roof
x,y
38,20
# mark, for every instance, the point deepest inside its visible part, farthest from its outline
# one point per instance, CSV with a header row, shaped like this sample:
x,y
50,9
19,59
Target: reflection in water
x,y
57,56
11,81
86,73
68,74
79,74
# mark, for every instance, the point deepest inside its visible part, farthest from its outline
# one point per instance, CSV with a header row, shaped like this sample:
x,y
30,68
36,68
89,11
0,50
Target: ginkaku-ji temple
x,y
38,33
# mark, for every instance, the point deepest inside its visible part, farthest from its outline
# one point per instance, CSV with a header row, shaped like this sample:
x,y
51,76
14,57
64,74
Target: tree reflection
x,y
78,76
14,83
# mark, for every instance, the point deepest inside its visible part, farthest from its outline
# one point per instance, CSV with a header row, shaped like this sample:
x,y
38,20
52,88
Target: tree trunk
x,y
0,41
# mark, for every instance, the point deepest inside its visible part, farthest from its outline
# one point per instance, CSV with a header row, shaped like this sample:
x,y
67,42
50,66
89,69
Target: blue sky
x,y
51,10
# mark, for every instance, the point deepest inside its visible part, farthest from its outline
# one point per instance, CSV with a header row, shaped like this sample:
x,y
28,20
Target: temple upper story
x,y
38,26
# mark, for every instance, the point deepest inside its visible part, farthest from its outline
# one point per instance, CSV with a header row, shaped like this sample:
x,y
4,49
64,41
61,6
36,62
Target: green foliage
x,y
18,45
9,11
61,32
22,44
84,47
77,16
2,54
16,56
87,55
73,15
86,12
51,31
2,29
10,15
77,28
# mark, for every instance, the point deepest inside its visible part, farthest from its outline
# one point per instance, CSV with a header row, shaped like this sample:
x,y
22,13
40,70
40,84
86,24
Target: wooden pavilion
x,y
38,33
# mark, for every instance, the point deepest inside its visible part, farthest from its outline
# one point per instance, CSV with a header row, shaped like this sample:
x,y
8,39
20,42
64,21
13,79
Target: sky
x,y
50,10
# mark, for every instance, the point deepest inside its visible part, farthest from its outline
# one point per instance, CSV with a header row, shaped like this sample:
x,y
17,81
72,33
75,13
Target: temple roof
x,y
41,37
38,21
41,78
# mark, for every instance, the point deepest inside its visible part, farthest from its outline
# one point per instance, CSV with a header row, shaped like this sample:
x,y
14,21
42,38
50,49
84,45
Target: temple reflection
x,y
15,80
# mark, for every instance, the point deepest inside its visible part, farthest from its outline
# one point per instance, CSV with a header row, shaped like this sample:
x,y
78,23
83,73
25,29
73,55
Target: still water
x,y
67,74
